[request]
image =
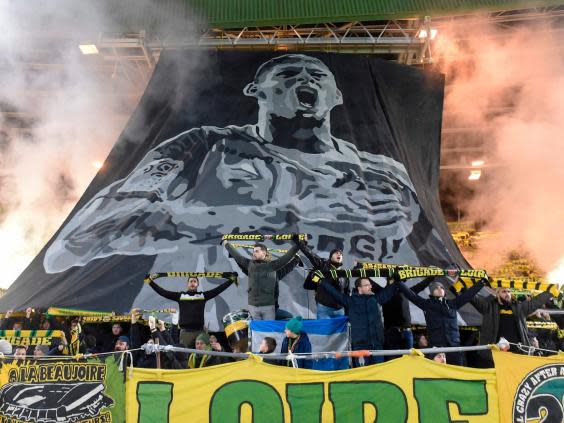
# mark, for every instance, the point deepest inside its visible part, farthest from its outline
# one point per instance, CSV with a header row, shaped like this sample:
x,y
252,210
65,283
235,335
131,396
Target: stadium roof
x,y
241,13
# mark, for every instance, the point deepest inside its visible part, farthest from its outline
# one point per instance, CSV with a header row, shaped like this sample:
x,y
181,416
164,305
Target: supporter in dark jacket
x,y
441,316
263,277
364,312
14,323
296,341
327,306
109,340
192,304
505,317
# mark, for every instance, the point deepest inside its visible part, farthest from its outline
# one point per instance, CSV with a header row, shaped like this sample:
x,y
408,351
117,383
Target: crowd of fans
x,y
377,317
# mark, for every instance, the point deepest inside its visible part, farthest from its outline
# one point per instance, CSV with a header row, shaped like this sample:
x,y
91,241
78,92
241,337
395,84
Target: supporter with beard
x,y
327,306
192,305
196,361
263,274
505,317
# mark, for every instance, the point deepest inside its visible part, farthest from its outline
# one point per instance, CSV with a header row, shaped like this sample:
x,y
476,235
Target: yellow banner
x,y
408,389
531,389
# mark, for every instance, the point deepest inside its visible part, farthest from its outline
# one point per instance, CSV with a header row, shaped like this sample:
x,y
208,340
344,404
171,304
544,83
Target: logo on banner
x,y
540,396
55,392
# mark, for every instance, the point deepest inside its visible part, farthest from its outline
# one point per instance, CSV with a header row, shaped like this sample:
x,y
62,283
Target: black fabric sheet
x,y
344,147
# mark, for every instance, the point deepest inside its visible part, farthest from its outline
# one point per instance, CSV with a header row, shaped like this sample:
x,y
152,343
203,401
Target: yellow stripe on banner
x,y
236,326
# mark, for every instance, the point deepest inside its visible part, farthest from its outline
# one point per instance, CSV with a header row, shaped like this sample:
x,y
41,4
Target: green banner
x,y
53,390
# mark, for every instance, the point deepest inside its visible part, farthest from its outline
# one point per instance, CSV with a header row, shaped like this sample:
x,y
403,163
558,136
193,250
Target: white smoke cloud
x,y
510,85
77,111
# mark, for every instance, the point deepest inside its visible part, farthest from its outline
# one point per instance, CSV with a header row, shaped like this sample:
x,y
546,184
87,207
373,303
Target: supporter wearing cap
x,y
327,306
196,361
122,343
441,315
296,341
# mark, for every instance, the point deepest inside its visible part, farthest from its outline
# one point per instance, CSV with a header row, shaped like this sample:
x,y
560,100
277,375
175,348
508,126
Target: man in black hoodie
x,y
192,304
327,306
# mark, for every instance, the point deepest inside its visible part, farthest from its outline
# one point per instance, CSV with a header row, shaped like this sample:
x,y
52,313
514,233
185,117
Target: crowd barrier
x,y
408,389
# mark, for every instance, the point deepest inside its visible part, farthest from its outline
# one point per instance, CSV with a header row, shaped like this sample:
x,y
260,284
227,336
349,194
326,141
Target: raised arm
x,y
208,295
316,261
467,295
536,302
97,228
481,303
334,292
411,296
243,262
279,263
420,286
171,295
280,273
388,292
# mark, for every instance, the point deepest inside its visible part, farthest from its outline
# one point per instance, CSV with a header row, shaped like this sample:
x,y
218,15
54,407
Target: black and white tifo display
x,y
343,147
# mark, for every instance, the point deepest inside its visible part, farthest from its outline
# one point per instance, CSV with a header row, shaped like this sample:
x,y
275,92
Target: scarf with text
x,y
30,337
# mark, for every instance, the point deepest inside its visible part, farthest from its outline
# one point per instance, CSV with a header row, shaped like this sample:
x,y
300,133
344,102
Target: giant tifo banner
x,y
64,390
343,147
409,389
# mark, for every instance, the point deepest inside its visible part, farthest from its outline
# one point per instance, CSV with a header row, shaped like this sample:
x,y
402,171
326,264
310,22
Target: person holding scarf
x,y
441,315
327,306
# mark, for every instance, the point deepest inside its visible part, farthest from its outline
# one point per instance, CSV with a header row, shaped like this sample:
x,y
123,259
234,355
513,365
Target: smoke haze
x,y
60,112
510,86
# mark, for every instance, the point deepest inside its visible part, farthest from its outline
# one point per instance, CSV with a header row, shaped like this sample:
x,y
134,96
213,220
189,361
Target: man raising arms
x,y
192,304
263,277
